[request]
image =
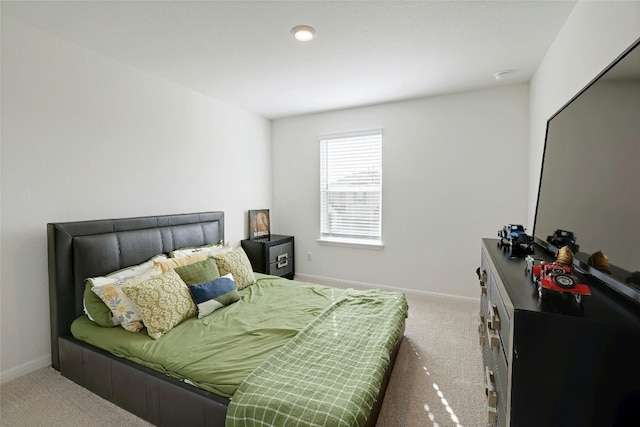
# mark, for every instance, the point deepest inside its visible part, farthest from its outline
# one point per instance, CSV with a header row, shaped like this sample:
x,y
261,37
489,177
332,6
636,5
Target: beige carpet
x,y
438,377
437,380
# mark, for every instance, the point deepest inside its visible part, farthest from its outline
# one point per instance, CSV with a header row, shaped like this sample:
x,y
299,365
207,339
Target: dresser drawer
x,y
496,381
498,318
496,377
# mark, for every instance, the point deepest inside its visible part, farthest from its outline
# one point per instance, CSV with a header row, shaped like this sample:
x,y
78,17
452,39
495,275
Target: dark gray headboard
x,y
78,250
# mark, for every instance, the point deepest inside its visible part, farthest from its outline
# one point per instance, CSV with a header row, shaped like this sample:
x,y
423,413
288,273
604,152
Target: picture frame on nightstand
x,y
259,225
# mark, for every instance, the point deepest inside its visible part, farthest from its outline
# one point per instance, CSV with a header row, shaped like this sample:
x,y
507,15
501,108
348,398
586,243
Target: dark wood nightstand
x,y
271,255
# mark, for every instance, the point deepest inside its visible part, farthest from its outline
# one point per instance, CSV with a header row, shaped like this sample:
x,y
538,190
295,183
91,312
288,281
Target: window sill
x,y
352,243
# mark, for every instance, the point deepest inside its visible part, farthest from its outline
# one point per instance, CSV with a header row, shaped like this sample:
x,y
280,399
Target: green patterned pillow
x,y
236,263
163,302
199,272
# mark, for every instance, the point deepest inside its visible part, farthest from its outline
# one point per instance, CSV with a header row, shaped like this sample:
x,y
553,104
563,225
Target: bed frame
x,y
78,250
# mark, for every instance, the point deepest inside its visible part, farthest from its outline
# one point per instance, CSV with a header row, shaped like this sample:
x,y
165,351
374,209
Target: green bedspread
x,y
288,353
331,372
218,352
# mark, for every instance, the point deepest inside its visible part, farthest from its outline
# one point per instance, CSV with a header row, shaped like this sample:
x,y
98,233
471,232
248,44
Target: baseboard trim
x,y
355,284
24,369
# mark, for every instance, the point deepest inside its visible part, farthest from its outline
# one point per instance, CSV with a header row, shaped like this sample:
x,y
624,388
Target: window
x,y
351,187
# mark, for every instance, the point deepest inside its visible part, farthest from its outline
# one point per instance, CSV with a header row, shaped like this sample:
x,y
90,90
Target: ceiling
x,y
365,52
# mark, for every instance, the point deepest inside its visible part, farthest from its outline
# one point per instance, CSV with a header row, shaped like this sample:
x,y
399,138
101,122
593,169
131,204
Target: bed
x,y
161,392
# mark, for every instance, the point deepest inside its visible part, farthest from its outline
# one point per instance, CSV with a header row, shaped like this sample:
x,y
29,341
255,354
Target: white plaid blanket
x,y
330,373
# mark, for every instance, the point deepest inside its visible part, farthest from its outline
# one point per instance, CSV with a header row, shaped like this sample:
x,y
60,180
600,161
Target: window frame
x,y
331,236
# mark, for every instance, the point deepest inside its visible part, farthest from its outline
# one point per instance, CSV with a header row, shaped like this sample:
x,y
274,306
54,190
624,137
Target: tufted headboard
x,y
78,250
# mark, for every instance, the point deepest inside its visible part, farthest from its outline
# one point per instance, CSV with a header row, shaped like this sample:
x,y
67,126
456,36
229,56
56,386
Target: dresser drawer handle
x,y
482,276
492,416
490,389
494,319
494,339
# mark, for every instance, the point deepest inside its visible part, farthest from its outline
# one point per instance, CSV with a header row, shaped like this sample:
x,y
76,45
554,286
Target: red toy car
x,y
556,277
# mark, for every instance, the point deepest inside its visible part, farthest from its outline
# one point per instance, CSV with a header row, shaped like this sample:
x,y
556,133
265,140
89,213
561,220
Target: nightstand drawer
x,y
278,253
281,267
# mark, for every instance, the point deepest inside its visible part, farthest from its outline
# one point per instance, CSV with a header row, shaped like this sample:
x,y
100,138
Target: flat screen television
x,y
590,177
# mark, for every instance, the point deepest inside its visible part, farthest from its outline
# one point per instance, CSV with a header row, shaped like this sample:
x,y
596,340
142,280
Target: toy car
x,y
555,276
562,238
514,235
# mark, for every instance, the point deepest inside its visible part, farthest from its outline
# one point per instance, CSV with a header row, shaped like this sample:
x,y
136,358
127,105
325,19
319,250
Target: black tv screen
x,y
590,179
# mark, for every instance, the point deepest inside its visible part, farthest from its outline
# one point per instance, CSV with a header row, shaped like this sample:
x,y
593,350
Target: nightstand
x,y
271,255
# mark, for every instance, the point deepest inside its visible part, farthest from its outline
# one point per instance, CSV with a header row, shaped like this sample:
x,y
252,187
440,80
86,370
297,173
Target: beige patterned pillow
x,y
237,263
208,249
171,263
162,301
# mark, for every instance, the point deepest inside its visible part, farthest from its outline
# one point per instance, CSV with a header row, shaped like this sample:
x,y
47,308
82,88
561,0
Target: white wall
x,y
85,137
595,34
454,171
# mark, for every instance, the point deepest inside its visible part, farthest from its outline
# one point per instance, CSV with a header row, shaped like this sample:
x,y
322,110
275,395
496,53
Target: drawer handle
x,y
494,340
482,276
494,319
282,260
492,416
490,390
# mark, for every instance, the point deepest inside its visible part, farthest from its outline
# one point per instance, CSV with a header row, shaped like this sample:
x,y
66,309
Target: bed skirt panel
x,y
161,400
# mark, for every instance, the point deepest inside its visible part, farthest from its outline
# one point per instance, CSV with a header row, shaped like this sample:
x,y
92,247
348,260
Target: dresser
x,y
551,361
271,255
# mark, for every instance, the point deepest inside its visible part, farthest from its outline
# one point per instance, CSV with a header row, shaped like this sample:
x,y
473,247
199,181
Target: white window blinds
x,y
351,186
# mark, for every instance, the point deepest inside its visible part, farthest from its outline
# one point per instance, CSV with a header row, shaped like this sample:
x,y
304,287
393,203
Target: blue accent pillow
x,y
212,295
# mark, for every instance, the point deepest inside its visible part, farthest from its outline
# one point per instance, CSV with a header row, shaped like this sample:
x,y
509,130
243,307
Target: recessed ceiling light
x,y
303,33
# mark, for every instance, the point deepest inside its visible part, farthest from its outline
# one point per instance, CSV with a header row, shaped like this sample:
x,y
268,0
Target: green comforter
x,y
330,373
315,352
218,352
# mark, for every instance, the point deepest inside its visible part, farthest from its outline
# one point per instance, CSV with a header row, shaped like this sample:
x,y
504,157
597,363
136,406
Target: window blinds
x,y
351,186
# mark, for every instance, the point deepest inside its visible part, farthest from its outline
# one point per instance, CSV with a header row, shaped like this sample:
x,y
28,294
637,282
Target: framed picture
x,y
259,226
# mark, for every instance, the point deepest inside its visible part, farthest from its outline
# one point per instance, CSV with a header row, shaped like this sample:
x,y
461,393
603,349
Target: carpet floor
x,y
437,380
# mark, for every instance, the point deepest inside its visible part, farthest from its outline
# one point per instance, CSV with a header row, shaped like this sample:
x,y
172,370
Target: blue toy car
x,y
515,236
